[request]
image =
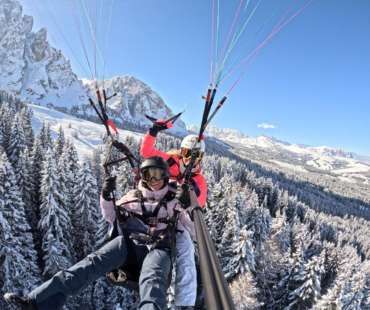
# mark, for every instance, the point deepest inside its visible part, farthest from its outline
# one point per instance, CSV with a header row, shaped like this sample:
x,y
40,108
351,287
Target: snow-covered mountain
x,y
133,100
29,66
85,135
269,151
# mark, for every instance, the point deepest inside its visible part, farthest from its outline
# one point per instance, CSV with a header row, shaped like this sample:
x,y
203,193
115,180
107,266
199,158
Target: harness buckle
x,y
152,221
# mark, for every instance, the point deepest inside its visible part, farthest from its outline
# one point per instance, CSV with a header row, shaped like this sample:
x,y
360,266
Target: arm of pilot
x,y
200,188
148,149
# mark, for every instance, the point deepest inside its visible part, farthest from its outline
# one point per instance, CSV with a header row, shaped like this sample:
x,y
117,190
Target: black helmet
x,y
155,162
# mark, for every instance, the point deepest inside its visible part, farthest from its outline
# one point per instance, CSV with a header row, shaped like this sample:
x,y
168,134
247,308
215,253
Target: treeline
x,y
278,249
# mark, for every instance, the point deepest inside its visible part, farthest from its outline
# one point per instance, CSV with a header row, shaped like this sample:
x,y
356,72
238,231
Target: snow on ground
x,y
353,167
85,135
288,166
323,163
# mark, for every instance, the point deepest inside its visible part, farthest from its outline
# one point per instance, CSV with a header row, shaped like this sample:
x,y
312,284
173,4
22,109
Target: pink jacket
x,y
131,203
148,149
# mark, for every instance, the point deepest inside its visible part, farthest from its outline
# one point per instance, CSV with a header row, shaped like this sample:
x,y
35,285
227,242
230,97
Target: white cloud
x,y
266,126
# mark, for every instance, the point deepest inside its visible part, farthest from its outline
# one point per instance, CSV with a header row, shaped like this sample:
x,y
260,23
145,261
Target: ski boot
x,y
19,301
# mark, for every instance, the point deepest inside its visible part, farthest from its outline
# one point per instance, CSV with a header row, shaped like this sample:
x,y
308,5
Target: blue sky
x,y
311,81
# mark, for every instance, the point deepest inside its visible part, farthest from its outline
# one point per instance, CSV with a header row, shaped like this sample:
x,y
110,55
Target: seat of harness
x,y
140,230
143,228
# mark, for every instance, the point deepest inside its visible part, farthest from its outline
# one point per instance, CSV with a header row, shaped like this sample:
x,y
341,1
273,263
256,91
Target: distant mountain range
x,y
347,166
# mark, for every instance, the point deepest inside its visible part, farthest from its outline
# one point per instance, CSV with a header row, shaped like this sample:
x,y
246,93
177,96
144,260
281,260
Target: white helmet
x,y
191,142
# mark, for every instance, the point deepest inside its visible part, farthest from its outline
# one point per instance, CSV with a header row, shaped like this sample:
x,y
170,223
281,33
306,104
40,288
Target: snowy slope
x,y
85,135
300,158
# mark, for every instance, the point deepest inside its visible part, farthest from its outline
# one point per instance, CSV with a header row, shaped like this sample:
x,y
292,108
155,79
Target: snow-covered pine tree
x,y
349,290
308,281
68,169
17,141
25,115
86,210
10,260
244,257
33,213
244,292
19,242
125,179
25,183
45,136
54,221
59,143
6,116
96,167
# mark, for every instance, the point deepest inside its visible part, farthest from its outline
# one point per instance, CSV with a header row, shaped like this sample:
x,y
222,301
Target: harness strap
x,y
171,161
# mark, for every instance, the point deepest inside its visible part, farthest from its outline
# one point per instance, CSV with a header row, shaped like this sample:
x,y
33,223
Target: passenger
x,y
152,219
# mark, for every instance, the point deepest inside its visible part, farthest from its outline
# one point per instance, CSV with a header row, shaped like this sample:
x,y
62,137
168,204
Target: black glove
x,y
183,195
120,146
109,186
157,127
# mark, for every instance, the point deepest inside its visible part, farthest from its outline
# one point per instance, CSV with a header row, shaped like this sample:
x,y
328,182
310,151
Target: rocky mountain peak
x,y
35,71
29,66
134,99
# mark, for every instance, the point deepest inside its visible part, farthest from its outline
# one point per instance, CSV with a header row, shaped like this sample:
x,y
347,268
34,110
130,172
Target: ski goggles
x,y
186,153
153,173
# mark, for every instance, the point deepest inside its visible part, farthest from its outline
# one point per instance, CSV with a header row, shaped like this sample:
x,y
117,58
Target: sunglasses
x,y
186,154
153,173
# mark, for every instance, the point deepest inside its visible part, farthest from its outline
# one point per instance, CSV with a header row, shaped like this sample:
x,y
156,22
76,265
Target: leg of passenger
x,y
53,293
186,275
153,280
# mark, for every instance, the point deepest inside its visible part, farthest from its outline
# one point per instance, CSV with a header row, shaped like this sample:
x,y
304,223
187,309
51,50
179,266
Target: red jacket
x,y
199,183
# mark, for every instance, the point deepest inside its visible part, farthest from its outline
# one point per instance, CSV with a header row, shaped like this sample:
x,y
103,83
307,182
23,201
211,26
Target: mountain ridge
x,y
348,166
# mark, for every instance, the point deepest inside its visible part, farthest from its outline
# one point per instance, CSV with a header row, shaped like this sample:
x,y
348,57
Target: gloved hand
x,y
120,146
109,186
158,126
183,195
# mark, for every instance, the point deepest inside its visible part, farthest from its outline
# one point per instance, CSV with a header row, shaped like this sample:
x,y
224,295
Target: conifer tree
x,y
69,170
86,209
96,167
59,143
54,221
17,141
25,184
243,259
45,137
36,165
244,292
26,120
6,117
19,240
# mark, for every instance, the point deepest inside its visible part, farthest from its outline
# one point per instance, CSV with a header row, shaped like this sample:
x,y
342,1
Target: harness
x,y
154,238
171,162
128,274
